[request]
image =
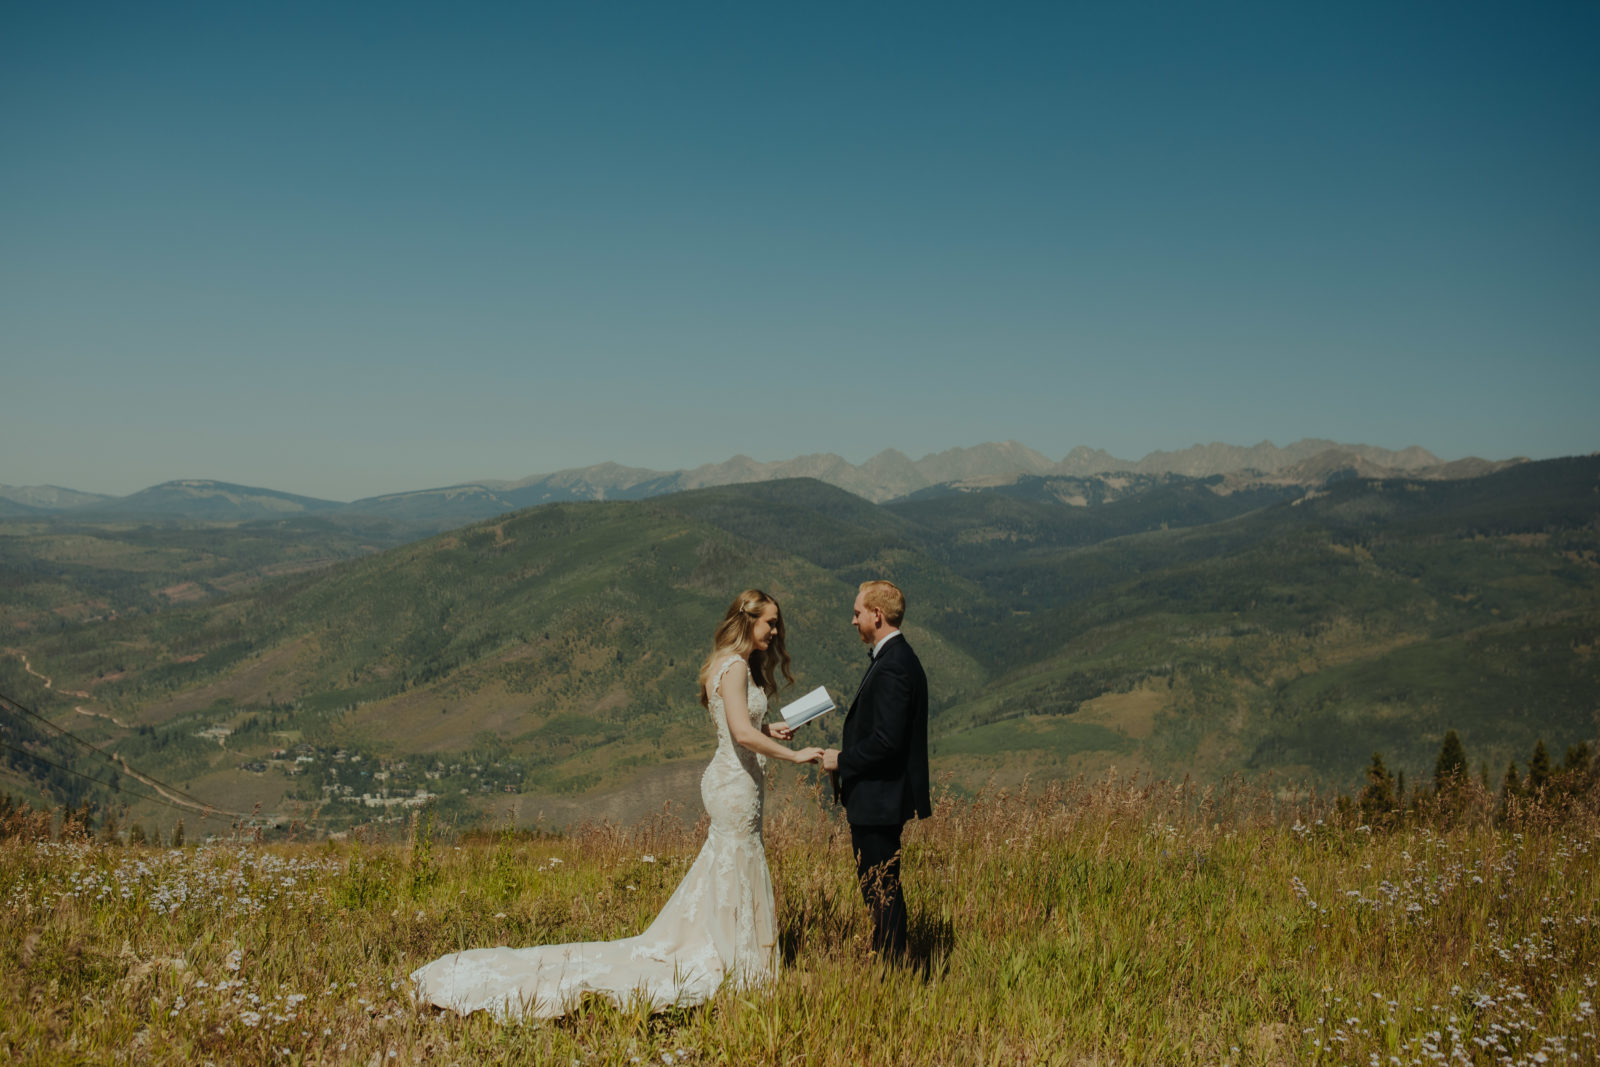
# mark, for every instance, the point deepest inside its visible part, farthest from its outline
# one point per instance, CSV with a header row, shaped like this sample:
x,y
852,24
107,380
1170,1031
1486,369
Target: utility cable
x,y
192,803
110,757
115,787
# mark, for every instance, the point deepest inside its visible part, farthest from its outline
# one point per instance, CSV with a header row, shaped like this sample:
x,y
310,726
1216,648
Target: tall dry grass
x,y
1097,922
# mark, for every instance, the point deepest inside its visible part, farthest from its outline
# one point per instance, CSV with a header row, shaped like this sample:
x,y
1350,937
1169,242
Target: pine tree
x,y
1575,768
136,834
1576,760
1377,800
177,835
1450,769
1538,769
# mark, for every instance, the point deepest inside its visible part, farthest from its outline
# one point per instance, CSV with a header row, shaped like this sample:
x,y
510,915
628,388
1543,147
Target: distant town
x,y
372,781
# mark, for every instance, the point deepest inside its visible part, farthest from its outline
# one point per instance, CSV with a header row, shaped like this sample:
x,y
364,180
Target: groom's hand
x,y
830,759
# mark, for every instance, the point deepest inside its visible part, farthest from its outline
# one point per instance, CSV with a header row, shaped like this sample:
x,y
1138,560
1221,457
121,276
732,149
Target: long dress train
x,y
720,922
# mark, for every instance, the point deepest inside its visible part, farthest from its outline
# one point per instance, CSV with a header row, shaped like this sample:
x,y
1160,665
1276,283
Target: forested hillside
x,y
1185,626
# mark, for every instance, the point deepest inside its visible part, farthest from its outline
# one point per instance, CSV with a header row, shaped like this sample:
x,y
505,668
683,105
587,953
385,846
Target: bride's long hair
x,y
734,634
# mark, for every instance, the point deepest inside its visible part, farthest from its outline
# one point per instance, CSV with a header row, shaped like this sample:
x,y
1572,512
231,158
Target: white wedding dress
x,y
720,923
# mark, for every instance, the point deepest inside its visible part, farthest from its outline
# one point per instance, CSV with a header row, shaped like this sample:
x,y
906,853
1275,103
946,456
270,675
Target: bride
x,y
720,922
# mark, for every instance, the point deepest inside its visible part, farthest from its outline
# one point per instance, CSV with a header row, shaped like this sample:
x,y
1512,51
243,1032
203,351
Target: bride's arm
x,y
737,709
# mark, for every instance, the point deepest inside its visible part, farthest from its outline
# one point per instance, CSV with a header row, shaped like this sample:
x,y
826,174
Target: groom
x,y
882,768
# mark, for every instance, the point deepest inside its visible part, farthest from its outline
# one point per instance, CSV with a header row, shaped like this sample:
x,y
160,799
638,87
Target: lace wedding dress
x,y
720,922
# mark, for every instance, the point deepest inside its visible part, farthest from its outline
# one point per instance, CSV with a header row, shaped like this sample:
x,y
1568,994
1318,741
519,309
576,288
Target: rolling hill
x,y
1181,625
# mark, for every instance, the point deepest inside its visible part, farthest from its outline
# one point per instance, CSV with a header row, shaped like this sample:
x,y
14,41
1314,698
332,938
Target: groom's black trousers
x,y
877,850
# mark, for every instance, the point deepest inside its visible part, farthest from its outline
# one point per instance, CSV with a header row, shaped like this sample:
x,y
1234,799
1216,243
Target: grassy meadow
x,y
1109,921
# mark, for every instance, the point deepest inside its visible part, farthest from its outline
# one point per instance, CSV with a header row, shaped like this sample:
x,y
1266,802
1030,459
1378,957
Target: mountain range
x,y
887,476
1208,626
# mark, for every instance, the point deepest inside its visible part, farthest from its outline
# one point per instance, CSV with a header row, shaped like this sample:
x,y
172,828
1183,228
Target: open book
x,y
803,709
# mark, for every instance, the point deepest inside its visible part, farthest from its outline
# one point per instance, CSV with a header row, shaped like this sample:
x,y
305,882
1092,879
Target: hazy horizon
x,y
344,253
857,462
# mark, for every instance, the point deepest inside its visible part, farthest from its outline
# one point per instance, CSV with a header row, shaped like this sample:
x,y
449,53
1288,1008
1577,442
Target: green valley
x,y
545,660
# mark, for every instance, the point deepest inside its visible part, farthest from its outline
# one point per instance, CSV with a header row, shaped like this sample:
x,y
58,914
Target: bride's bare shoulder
x,y
733,667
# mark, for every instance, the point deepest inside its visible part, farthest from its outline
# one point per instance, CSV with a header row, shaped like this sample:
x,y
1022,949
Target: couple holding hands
x,y
720,923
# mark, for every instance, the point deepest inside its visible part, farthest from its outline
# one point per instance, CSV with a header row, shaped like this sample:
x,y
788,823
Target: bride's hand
x,y
807,755
780,731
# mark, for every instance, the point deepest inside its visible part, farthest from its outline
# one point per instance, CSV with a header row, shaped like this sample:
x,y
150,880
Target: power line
x,y
192,803
110,757
115,787
124,767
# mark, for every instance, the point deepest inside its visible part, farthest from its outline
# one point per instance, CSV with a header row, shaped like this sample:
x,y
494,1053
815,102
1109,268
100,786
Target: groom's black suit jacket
x,y
883,757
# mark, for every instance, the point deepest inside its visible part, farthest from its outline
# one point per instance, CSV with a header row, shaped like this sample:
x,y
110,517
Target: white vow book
x,y
802,710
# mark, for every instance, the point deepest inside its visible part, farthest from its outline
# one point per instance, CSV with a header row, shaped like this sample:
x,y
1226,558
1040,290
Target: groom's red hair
x,y
886,597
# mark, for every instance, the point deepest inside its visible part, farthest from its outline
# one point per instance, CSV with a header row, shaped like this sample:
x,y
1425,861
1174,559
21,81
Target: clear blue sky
x,y
343,249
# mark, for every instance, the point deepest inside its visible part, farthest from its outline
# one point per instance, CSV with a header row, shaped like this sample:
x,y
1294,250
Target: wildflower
x,y
647,858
